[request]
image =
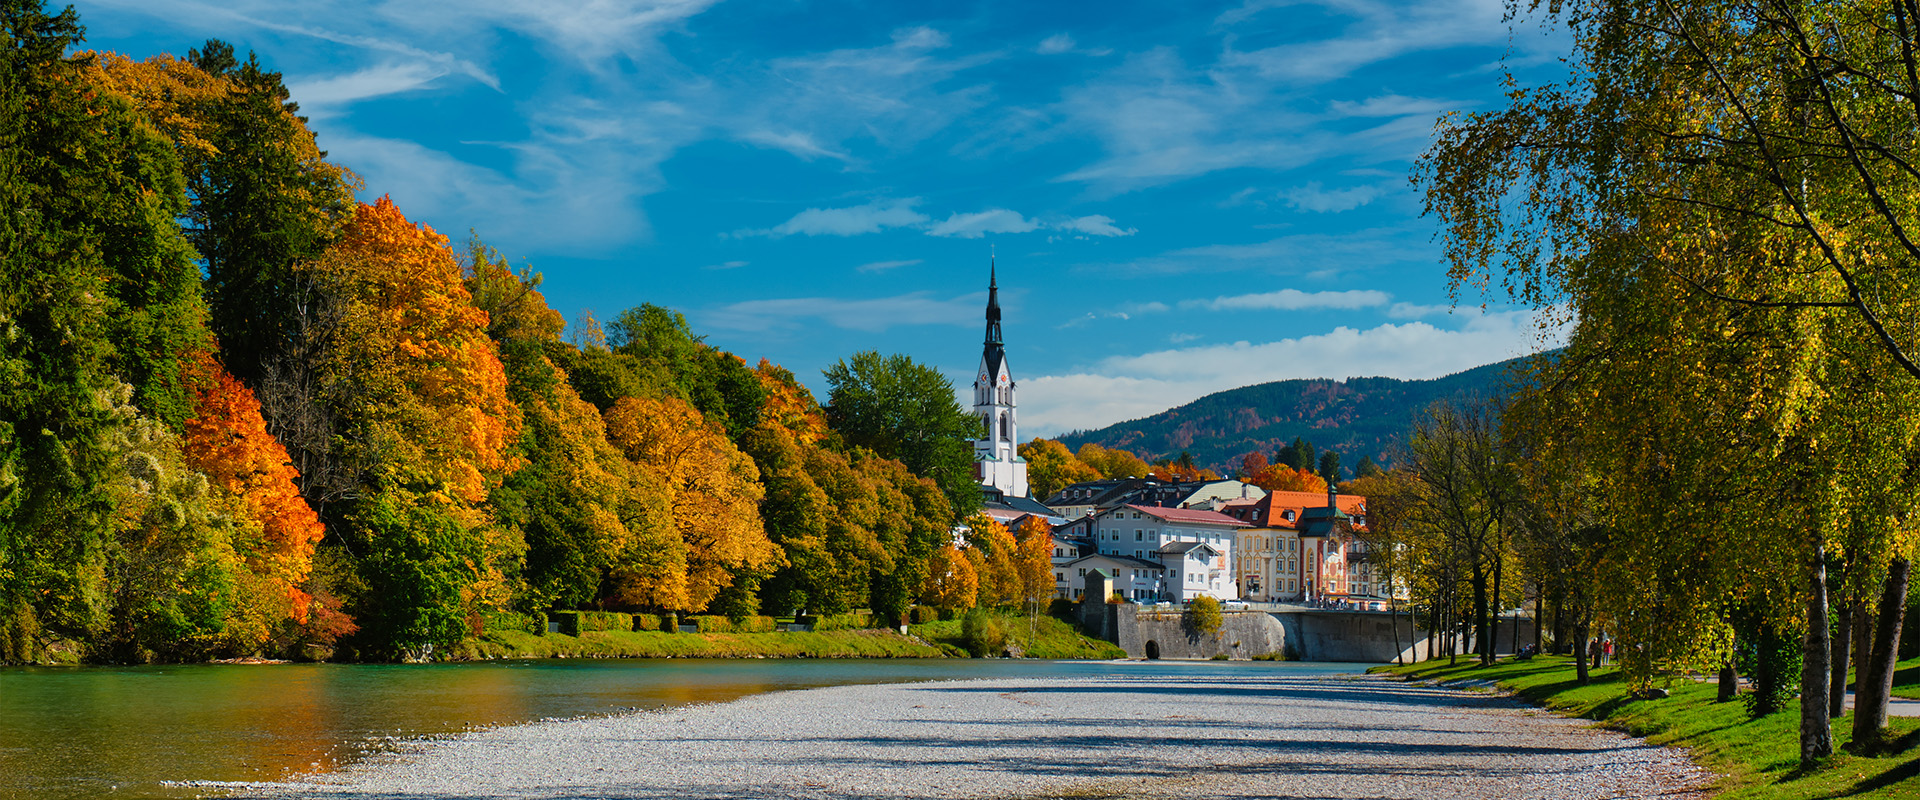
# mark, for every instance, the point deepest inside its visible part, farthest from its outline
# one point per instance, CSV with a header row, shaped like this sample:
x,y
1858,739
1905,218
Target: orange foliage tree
x,y
227,440
1255,470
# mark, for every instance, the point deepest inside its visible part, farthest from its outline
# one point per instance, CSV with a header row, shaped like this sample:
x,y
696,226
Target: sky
x,y
1180,198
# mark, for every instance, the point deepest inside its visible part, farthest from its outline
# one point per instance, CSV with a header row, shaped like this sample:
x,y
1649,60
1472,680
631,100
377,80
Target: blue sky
x,y
1184,197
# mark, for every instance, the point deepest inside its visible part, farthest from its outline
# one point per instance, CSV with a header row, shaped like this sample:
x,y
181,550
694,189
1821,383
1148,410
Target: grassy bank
x,y
1052,638
1759,758
653,644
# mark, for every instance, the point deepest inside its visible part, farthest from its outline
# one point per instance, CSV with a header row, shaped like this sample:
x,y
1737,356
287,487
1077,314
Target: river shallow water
x,y
166,732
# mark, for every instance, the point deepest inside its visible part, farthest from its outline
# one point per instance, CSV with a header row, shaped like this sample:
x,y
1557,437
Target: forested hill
x,y
1355,417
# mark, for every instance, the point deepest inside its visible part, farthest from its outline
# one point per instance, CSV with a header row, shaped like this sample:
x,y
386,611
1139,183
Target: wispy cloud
x,y
1316,255
1313,198
726,265
870,315
1292,300
1057,43
1094,225
850,221
883,266
981,223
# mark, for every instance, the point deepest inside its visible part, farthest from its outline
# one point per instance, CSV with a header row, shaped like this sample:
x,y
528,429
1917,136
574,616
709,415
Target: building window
x,y
1083,572
1138,554
1137,535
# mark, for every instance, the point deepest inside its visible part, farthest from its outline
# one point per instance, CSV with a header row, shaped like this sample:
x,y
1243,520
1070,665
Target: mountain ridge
x,y
1355,417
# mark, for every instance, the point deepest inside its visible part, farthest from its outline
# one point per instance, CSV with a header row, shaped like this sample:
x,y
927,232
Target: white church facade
x,y
996,458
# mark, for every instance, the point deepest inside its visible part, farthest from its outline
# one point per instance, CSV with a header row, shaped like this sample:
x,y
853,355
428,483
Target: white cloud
x,y
1094,225
1313,198
850,221
883,266
323,97
1416,311
726,265
800,145
1292,300
1129,387
981,223
871,315
1379,31
1057,43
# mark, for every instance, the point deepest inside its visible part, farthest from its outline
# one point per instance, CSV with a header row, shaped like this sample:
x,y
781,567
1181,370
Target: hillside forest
x,y
242,413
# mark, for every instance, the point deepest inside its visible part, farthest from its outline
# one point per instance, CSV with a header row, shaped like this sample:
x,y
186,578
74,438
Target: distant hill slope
x,y
1356,417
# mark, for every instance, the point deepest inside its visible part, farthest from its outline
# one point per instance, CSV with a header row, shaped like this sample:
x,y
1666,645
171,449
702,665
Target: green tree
x,y
98,290
906,411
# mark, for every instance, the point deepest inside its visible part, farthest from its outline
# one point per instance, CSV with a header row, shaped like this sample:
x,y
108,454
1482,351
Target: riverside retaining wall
x,y
1306,635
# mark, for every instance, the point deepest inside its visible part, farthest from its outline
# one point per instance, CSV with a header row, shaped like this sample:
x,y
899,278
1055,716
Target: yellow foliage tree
x,y
712,490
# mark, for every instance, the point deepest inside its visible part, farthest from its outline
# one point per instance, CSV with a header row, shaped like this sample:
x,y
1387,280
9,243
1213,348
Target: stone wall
x,y
1163,633
1308,635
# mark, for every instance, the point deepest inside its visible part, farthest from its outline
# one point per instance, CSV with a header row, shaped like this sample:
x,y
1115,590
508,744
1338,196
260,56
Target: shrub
x,y
713,624
755,625
1203,615
858,620
1116,599
1062,608
1218,657
980,633
921,615
646,622
605,621
669,623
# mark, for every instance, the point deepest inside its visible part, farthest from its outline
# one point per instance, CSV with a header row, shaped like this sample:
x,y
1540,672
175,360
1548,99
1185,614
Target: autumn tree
x,y
1113,463
712,491
1052,467
1729,184
951,580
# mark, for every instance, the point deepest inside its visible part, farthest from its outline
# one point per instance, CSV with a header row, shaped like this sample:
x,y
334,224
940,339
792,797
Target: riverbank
x,y
1192,731
1045,637
654,644
1759,758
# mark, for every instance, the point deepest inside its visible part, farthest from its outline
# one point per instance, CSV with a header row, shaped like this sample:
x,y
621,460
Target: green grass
x,y
1906,679
654,644
1055,638
1759,759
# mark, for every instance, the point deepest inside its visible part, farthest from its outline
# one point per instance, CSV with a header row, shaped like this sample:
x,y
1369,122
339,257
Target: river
x,y
167,732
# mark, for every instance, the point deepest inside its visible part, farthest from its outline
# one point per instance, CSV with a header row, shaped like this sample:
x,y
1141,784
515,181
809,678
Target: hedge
x,y
716,624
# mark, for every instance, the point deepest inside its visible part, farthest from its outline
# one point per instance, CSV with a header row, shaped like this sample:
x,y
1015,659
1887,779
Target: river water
x,y
168,732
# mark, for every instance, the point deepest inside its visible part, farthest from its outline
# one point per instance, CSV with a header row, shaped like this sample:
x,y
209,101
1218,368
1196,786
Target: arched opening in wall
x,y
1153,649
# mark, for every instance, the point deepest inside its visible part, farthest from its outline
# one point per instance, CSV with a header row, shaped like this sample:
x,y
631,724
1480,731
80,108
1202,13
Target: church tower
x,y
997,463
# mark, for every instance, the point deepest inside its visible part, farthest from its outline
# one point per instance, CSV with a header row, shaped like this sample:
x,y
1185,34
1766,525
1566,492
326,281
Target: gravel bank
x,y
1243,734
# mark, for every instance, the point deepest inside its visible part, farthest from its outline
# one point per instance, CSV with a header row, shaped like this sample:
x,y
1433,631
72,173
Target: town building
x,y
1302,547
1158,553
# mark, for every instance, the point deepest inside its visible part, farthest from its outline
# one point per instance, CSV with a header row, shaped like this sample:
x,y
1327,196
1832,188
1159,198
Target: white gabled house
x,y
1191,550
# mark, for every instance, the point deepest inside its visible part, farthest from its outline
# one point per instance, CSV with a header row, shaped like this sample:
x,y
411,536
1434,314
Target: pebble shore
x,y
1227,734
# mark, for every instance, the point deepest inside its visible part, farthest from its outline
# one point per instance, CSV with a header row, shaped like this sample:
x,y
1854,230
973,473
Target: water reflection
x,y
91,732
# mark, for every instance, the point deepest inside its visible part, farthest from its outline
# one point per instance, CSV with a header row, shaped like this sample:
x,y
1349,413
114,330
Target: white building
x,y
997,461
1191,548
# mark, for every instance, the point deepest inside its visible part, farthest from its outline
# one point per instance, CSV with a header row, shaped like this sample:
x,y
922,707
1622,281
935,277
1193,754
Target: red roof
x,y
1189,515
1272,507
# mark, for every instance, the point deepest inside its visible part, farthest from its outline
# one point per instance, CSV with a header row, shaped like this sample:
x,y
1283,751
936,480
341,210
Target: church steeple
x,y
993,305
996,456
994,352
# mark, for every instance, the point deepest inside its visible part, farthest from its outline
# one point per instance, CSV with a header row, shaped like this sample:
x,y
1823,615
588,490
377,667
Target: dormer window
x,y
1288,515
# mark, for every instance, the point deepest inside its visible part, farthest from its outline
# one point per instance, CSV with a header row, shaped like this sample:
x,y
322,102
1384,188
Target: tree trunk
x,y
1560,621
1876,673
1862,643
1393,619
1580,650
1816,728
1482,643
1495,608
1837,685
1539,616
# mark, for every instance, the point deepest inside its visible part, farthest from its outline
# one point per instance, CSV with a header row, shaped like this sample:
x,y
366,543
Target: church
x,y
996,457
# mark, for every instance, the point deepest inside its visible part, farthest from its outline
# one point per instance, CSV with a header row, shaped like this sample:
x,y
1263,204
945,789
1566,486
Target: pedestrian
x,y
1606,652
1593,653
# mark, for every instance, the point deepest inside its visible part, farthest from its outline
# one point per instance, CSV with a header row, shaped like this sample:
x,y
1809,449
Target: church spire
x,y
993,305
